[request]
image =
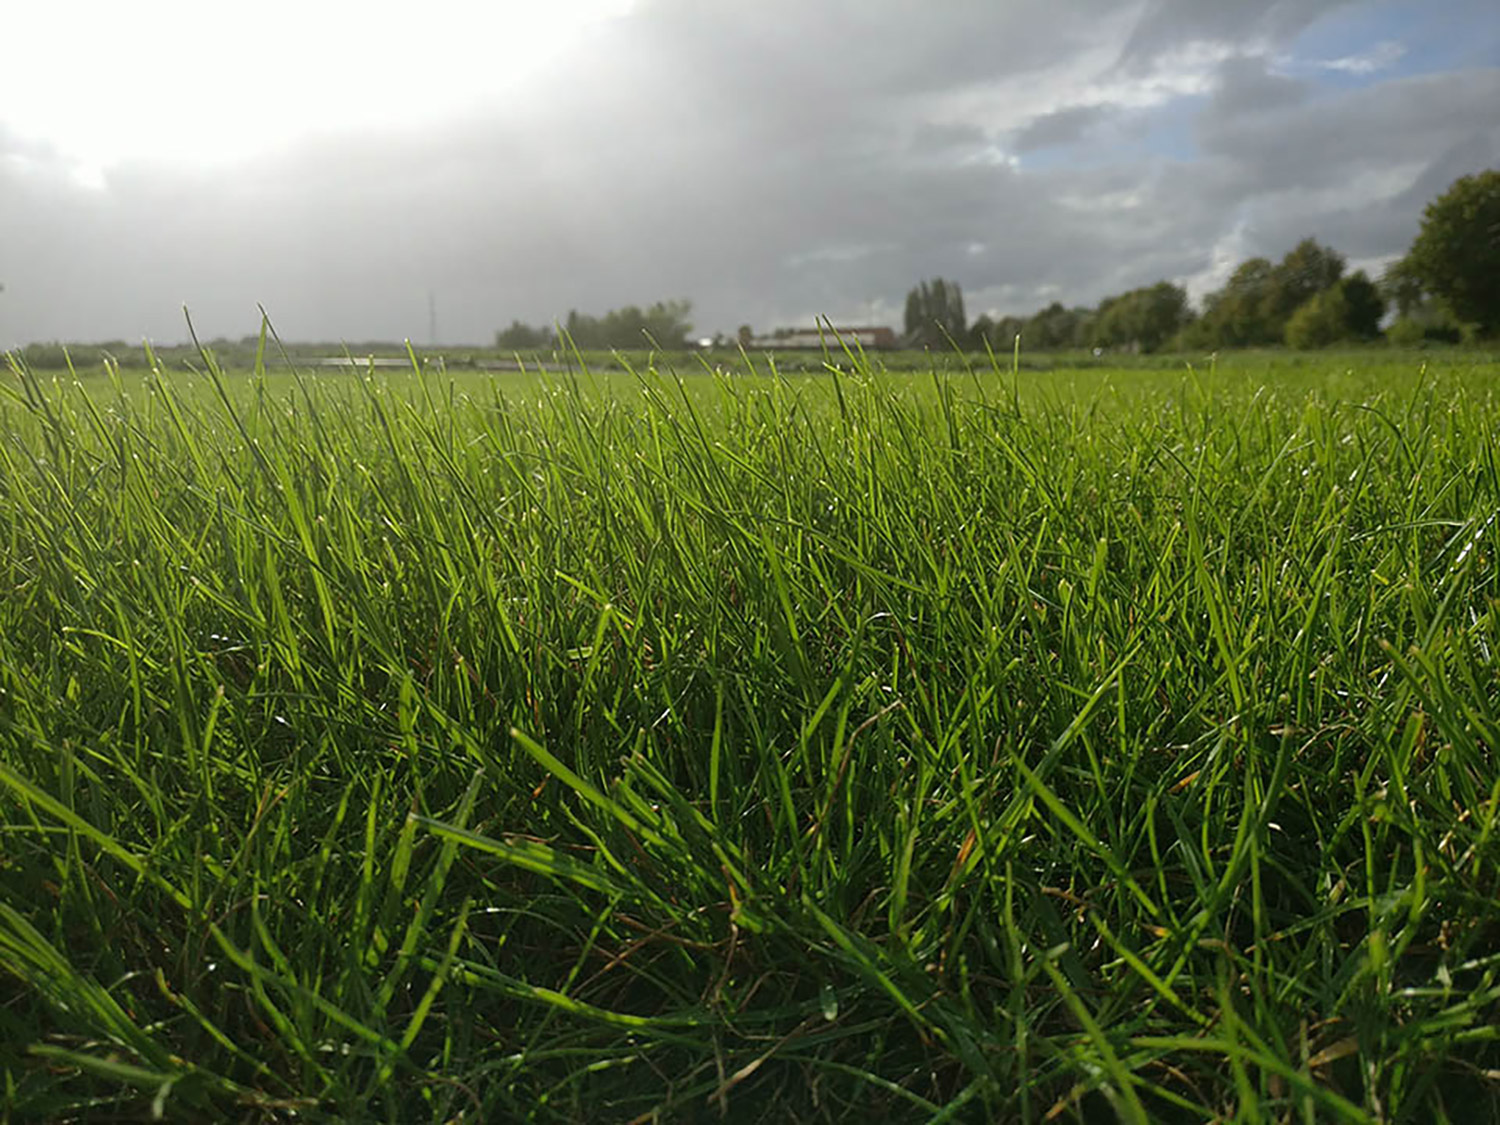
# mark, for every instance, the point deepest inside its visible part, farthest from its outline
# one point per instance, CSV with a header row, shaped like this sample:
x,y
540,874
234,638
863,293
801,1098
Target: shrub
x,y
1405,333
1321,321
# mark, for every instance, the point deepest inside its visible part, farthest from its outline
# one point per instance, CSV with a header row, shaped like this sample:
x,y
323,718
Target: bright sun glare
x,y
198,82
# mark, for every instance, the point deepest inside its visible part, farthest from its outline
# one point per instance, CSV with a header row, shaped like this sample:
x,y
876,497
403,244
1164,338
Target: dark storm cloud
x,y
771,163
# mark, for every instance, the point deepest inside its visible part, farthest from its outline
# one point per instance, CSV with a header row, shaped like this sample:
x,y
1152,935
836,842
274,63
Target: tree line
x,y
1446,287
665,322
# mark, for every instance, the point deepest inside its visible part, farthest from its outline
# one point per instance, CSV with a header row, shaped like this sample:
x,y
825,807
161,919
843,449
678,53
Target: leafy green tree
x,y
1405,332
1456,255
49,356
1258,302
1365,305
623,328
1234,316
1143,319
1350,310
1054,327
583,330
1402,288
1321,321
935,314
1006,329
664,324
982,333
1420,314
1308,269
520,336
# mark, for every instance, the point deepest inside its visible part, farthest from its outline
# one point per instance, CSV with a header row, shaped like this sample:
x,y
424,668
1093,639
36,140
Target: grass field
x,y
965,746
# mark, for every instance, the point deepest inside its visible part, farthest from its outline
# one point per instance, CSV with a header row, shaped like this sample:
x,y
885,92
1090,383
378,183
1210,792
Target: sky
x,y
375,171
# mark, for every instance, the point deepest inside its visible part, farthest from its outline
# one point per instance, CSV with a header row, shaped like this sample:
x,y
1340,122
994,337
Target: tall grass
x,y
967,747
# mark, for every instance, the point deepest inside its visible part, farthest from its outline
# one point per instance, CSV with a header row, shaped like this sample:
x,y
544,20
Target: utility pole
x,y
432,318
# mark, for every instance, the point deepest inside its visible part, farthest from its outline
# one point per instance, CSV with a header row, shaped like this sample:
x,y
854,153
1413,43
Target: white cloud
x,y
1088,80
802,157
194,84
1380,57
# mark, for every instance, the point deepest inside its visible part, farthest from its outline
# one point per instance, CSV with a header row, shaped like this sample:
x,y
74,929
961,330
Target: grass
x,y
640,747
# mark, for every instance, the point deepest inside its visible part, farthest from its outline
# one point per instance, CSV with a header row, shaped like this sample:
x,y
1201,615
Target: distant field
x,y
955,745
240,355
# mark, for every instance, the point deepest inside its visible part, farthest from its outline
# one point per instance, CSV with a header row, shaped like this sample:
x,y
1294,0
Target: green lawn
x,y
951,745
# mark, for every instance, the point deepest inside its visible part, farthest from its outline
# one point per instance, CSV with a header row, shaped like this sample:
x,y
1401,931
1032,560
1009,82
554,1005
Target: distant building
x,y
869,337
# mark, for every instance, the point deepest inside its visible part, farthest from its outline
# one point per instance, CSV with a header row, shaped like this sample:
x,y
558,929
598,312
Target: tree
x,y
1405,332
1365,305
582,331
1055,327
1350,310
1144,319
1420,315
1456,255
1257,303
1307,270
1006,329
912,321
520,336
982,333
935,314
1233,316
1402,288
1319,322
663,324
999,334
